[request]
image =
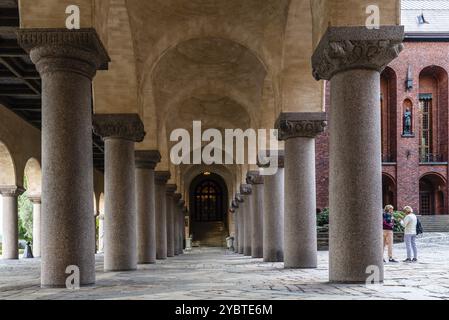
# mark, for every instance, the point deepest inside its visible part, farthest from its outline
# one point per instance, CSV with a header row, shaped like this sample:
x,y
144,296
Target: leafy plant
x,y
398,216
322,219
25,208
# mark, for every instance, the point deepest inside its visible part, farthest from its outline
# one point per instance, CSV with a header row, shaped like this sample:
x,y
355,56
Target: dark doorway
x,y
208,209
388,191
432,190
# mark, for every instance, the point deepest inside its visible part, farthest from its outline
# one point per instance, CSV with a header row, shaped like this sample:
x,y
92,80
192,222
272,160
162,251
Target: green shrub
x,y
398,216
322,218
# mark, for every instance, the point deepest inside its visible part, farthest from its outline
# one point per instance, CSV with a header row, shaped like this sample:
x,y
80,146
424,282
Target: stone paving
x,y
212,273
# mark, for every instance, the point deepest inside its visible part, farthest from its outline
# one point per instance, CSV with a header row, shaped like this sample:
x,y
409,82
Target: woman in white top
x,y
409,224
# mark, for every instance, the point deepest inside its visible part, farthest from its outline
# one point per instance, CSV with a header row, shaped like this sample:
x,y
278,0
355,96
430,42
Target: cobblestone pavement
x,y
211,273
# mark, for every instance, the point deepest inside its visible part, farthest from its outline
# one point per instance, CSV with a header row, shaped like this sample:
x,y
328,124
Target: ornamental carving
x,y
254,177
161,177
119,126
268,156
78,51
300,124
346,48
147,159
245,189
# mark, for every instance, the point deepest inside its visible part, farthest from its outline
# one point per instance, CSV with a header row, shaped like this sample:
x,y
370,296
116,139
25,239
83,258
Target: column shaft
x,y
170,209
248,227
300,235
10,240
236,230
120,205
36,228
146,219
256,181
241,225
273,221
161,178
355,240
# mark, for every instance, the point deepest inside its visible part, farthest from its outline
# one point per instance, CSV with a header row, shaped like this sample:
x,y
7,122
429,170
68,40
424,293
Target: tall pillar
x,y
36,201
161,178
185,213
120,132
10,245
101,233
235,207
273,219
245,190
179,223
256,180
67,61
146,161
352,59
240,217
299,130
176,199
171,188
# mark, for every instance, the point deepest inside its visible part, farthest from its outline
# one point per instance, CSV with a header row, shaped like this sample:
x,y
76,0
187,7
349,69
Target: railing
x,y
431,157
388,158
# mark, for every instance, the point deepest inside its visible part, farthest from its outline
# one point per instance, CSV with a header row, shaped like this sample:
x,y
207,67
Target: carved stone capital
x,y
127,126
346,48
147,159
254,177
171,188
11,191
245,189
300,124
35,199
231,210
234,204
268,156
177,197
161,177
239,198
53,50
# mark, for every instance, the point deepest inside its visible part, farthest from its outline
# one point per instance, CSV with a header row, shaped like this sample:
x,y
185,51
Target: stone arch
x,y
33,174
214,80
433,109
432,194
7,167
208,208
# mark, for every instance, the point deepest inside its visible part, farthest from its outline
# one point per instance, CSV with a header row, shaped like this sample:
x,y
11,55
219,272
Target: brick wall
x,y
431,61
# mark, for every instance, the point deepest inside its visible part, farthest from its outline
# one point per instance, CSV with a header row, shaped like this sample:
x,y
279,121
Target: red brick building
x,y
415,117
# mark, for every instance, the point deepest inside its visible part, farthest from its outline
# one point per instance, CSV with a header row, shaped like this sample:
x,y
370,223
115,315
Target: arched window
x,y
208,201
433,114
388,114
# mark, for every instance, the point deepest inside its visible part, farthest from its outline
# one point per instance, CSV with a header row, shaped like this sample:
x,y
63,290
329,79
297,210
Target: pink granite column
x,y
146,161
67,61
352,59
256,180
120,132
10,240
161,178
273,219
299,130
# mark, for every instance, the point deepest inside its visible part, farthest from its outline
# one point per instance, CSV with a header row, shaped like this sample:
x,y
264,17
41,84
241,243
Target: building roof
x,y
435,13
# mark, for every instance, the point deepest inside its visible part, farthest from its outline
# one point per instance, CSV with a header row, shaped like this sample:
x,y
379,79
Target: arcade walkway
x,y
213,273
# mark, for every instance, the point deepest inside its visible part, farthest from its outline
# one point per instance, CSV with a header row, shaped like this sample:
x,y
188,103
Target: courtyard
x,y
215,273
